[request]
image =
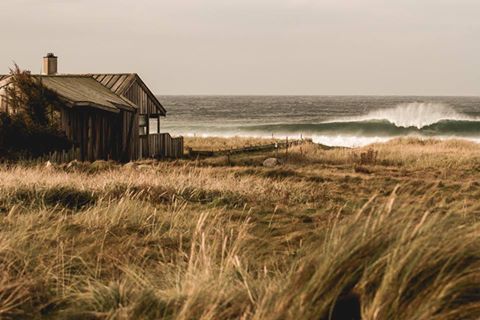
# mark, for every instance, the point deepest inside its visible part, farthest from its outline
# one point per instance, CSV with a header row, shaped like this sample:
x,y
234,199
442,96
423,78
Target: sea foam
x,y
417,114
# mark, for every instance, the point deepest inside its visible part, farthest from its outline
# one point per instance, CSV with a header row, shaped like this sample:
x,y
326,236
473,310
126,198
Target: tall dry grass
x,y
385,266
413,153
220,143
313,239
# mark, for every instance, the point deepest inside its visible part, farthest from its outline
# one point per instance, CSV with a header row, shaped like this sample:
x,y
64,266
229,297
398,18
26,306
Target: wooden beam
x,y
129,138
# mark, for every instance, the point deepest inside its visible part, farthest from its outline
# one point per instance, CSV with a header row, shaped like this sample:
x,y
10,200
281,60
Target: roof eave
x,y
95,105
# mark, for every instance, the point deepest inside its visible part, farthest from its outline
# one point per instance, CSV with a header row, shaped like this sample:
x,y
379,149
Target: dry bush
x,y
32,126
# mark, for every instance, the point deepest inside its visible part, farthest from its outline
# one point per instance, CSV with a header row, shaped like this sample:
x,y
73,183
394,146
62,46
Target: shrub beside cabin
x,y
106,116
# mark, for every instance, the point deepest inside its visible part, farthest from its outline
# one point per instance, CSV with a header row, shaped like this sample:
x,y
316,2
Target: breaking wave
x,y
418,115
375,128
424,119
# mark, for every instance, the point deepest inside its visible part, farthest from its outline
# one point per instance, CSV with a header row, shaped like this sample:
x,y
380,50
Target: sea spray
x,y
416,114
368,128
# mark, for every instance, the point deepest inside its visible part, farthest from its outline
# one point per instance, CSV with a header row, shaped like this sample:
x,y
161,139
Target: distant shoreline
x,y
329,120
350,142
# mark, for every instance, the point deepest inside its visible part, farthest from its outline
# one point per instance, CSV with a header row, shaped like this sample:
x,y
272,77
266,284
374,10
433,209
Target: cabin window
x,y
153,125
142,125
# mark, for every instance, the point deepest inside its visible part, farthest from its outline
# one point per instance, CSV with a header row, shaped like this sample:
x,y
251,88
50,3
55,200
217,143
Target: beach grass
x,y
329,234
222,143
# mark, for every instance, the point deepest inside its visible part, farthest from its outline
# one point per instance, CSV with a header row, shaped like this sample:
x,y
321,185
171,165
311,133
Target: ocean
x,y
330,120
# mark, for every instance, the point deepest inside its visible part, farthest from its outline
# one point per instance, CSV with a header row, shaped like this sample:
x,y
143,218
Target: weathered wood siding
x,y
129,135
161,146
147,105
101,135
93,132
140,96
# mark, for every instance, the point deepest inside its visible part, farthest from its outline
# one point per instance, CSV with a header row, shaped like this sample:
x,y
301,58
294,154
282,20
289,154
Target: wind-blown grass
x,y
203,239
219,143
385,266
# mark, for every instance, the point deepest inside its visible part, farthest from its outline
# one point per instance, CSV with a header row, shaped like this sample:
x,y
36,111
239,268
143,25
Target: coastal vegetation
x,y
388,231
31,126
222,143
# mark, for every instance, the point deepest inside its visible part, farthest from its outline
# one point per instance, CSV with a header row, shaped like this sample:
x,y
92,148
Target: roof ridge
x,y
110,74
76,74
72,75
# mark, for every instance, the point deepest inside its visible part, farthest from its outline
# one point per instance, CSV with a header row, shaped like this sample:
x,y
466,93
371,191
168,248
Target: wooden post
x,y
286,150
90,156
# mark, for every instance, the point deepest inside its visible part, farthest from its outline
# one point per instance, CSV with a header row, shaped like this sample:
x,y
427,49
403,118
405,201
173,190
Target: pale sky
x,y
324,47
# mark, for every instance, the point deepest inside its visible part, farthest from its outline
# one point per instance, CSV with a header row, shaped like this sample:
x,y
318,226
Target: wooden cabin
x,y
107,116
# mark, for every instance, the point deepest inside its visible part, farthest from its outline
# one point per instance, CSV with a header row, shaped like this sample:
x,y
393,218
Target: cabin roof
x,y
80,90
121,82
83,90
117,84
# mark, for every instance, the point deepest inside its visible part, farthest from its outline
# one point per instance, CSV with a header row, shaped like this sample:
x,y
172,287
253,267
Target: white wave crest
x,y
415,114
327,140
347,141
354,142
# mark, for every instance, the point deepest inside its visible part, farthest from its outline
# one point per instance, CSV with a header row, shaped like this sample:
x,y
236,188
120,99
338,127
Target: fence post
x,y
286,150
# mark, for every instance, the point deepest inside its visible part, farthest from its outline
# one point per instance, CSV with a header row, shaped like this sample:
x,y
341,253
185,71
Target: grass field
x,y
330,234
220,143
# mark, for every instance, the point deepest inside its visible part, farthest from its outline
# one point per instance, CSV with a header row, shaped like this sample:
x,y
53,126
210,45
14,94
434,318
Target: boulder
x,y
271,162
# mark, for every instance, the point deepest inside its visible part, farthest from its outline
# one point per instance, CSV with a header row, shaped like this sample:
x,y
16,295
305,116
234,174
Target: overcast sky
x,y
418,47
